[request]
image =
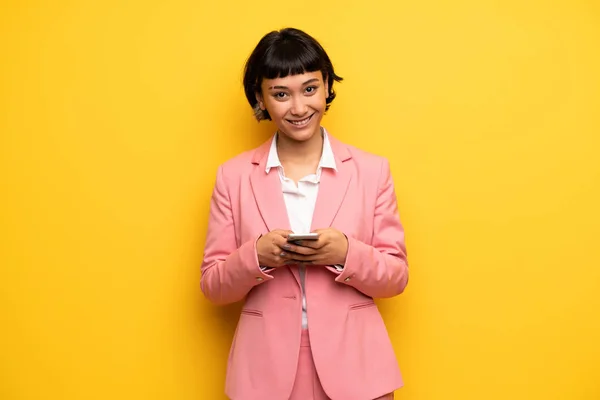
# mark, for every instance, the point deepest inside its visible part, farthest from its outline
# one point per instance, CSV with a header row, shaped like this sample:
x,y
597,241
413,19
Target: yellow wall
x,y
114,116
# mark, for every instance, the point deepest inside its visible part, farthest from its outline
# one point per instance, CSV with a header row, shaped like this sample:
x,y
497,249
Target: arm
x,y
228,272
379,270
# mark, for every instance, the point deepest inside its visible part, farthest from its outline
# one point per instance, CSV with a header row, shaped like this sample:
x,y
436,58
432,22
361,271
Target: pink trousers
x,y
307,385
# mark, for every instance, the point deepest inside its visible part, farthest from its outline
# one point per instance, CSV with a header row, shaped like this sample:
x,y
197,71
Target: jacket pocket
x,y
360,306
253,313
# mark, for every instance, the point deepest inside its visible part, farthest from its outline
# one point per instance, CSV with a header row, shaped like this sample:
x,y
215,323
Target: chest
x,y
298,172
304,206
300,198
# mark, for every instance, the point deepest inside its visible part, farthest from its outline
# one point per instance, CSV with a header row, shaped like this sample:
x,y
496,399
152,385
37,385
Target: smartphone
x,y
302,236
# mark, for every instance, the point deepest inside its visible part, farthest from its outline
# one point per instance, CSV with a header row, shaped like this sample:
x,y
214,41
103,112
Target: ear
x,y
261,103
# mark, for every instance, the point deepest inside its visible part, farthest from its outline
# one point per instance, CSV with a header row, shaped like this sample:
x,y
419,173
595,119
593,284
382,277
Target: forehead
x,y
292,81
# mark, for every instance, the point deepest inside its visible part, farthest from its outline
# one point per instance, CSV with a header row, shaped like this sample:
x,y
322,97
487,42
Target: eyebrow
x,y
305,83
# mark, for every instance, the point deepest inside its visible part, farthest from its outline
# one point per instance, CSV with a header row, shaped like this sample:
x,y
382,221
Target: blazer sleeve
x,y
379,269
228,272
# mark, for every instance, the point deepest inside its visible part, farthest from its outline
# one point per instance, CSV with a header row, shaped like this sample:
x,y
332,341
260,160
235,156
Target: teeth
x,y
302,122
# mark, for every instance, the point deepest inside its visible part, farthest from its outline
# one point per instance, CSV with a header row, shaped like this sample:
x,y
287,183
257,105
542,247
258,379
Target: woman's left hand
x,y
330,249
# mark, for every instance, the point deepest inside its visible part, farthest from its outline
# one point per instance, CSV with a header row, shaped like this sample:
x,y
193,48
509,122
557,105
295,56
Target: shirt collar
x,y
327,157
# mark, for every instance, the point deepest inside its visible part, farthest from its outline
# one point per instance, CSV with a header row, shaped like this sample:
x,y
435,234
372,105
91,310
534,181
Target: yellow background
x,y
114,116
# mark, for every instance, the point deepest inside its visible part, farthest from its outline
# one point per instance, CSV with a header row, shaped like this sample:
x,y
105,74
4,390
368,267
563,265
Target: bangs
x,y
282,53
290,58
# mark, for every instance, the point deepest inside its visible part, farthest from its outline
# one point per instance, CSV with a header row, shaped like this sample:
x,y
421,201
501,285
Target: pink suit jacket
x,y
351,348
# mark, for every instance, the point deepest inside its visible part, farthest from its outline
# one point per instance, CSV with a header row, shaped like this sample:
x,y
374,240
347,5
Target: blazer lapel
x,y
332,187
267,191
269,196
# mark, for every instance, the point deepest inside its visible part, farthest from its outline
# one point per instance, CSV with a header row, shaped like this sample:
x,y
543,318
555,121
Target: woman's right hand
x,y
270,249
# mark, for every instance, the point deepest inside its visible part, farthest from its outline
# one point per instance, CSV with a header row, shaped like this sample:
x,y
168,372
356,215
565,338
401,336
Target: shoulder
x,y
372,170
242,164
239,162
365,160
232,170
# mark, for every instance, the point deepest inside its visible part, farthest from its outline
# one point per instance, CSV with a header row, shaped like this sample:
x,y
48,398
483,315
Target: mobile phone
x,y
292,237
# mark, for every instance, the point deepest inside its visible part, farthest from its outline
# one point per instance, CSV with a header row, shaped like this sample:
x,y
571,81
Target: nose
x,y
299,107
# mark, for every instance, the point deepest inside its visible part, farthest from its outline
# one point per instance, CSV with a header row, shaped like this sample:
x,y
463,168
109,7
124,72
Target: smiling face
x,y
296,103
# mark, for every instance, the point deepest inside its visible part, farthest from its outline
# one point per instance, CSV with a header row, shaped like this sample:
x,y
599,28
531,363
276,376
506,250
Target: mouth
x,y
300,122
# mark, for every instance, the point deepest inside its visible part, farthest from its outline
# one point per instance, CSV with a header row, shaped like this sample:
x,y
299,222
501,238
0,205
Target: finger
x,y
313,244
282,239
278,254
290,259
284,257
279,232
282,244
300,257
290,248
308,262
282,261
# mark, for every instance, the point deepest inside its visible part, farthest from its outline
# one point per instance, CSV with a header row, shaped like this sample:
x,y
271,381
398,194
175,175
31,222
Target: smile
x,y
301,122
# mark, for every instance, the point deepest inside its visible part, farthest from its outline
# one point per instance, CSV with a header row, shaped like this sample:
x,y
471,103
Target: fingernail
x,y
282,254
287,246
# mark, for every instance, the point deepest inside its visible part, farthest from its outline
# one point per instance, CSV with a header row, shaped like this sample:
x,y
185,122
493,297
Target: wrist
x,y
344,253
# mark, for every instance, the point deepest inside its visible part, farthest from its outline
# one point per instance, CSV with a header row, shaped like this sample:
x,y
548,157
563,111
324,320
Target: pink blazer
x,y
351,348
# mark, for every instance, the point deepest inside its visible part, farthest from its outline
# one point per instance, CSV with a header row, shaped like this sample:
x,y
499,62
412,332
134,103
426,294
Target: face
x,y
295,103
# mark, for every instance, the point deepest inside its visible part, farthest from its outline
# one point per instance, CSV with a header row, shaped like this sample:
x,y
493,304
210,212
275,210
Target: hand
x,y
330,249
269,248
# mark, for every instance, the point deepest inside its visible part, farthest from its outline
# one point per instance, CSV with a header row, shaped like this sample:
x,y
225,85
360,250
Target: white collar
x,y
327,157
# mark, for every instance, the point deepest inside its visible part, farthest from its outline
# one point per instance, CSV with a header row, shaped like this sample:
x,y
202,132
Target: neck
x,y
300,152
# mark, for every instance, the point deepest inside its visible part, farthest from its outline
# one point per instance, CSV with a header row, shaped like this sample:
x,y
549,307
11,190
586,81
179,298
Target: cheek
x,y
276,109
319,102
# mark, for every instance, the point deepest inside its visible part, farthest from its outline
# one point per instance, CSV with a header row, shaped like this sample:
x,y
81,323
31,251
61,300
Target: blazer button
x,y
259,279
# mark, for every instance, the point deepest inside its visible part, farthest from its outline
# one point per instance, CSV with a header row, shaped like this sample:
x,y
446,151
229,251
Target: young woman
x,y
309,328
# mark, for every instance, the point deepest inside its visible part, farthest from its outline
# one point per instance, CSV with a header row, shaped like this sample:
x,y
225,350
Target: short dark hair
x,y
281,53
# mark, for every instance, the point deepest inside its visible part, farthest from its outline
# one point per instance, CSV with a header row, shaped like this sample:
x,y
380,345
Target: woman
x,y
309,328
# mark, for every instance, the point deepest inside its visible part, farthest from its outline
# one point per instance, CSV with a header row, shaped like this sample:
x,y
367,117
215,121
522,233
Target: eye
x,y
311,89
280,95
